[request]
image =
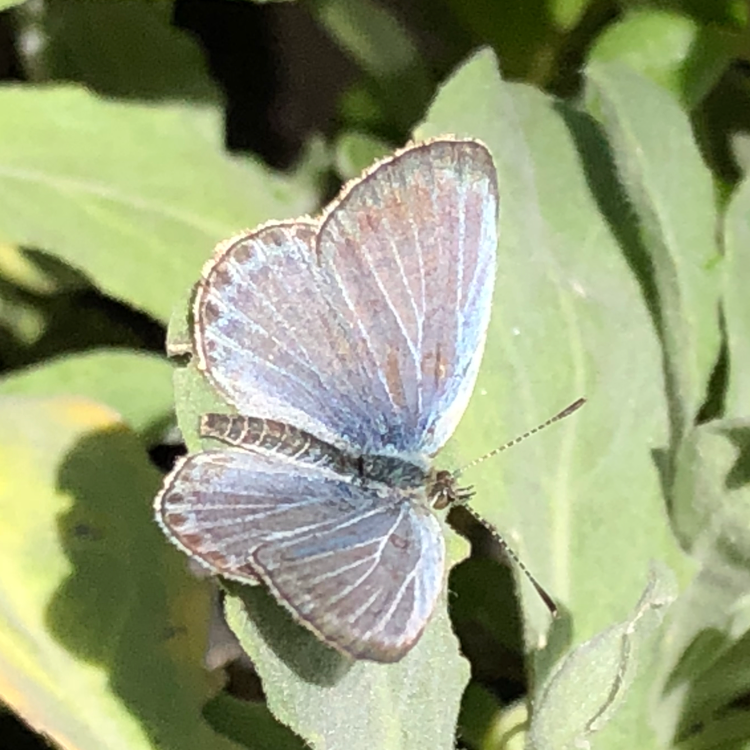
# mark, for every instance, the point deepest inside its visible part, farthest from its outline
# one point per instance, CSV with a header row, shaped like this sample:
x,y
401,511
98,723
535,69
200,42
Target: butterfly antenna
x,y
566,412
543,595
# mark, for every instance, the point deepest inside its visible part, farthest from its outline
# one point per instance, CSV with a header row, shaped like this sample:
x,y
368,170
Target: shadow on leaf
x,y
308,657
128,604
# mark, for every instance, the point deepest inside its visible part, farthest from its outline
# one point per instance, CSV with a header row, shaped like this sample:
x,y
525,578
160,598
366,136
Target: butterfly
x,y
349,346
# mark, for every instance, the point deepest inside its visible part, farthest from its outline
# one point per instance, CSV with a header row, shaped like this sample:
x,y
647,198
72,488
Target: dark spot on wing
x,y
433,366
394,380
399,541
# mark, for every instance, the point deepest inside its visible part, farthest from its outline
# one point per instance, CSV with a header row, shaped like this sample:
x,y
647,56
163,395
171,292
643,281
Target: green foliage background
x,y
619,130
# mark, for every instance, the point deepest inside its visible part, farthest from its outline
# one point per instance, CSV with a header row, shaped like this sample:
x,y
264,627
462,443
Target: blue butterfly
x,y
349,346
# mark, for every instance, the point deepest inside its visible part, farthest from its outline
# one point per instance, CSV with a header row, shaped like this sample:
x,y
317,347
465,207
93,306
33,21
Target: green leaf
x,y
355,152
728,731
334,702
119,49
134,195
370,34
672,50
670,192
509,729
567,13
101,627
705,664
36,273
721,687
35,290
378,43
480,709
711,482
525,35
250,724
736,301
582,502
136,385
594,682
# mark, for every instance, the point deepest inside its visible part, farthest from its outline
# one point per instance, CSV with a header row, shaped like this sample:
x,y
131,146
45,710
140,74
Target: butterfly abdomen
x,y
271,437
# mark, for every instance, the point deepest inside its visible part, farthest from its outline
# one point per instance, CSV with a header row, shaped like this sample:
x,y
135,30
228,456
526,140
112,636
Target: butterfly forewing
x,y
266,336
409,248
371,331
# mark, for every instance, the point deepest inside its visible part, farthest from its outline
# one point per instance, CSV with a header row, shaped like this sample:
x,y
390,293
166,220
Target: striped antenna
x,y
543,595
566,412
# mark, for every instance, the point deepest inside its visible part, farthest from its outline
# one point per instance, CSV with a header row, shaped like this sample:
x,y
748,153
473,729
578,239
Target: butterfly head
x,y
444,491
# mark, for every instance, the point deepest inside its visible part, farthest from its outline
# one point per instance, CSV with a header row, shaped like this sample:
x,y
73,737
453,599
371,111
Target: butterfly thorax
x,y
392,470
437,488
